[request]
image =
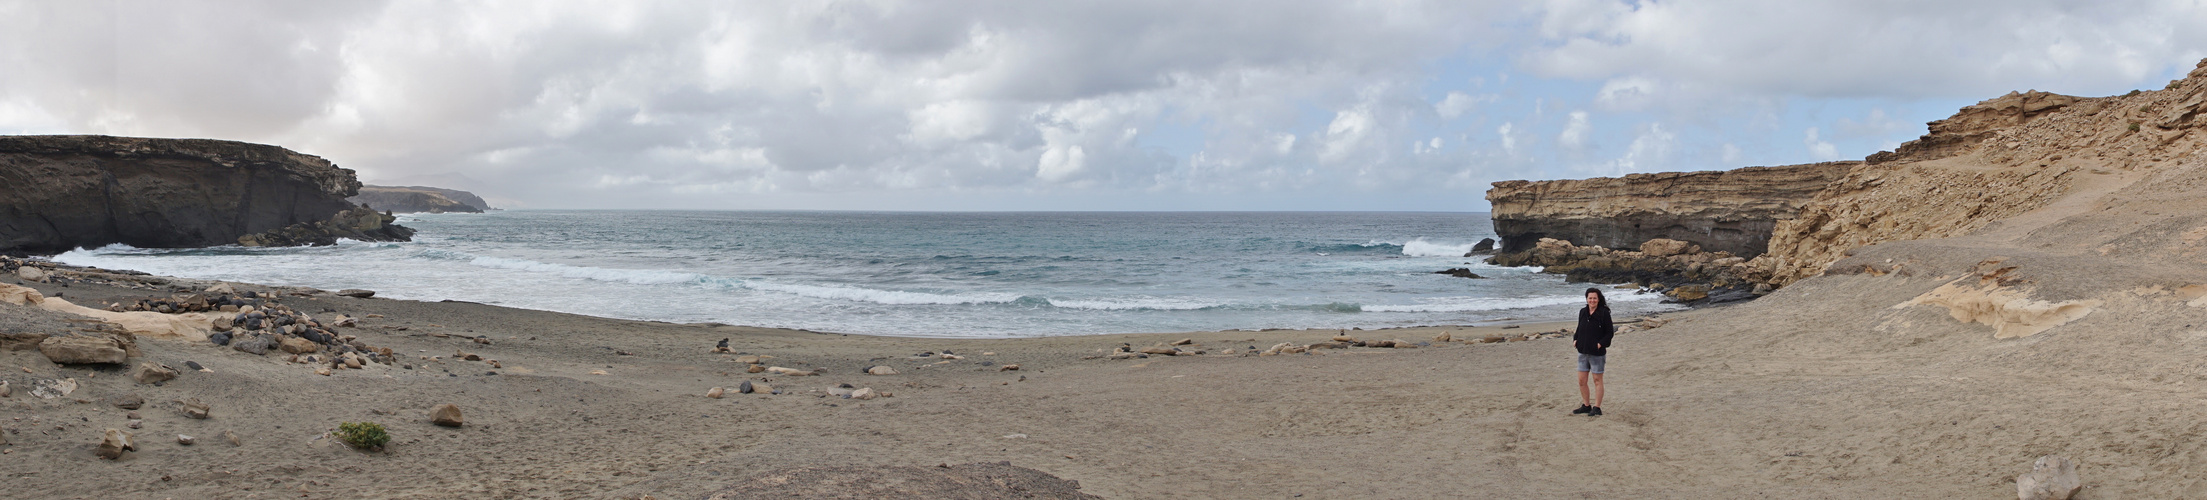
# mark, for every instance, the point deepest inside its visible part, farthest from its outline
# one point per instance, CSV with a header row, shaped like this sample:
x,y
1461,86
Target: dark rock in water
x,y
1460,272
254,344
219,338
70,191
1485,245
974,480
359,223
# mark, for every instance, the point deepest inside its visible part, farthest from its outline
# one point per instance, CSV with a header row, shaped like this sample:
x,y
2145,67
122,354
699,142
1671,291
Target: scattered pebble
x,y
447,415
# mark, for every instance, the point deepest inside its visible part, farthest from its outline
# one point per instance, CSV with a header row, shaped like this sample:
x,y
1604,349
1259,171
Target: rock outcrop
x,y
1731,211
411,199
71,191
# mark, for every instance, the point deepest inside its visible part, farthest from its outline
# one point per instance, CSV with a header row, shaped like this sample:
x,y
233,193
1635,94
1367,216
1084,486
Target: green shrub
x,y
2134,126
362,435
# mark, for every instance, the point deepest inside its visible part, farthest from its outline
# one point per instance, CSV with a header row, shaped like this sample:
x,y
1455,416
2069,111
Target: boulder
x,y
113,443
356,293
253,344
148,372
1663,247
2052,477
297,345
32,274
83,349
1690,293
447,415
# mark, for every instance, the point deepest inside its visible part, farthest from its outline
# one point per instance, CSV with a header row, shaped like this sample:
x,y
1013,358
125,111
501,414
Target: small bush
x,y
2134,126
362,435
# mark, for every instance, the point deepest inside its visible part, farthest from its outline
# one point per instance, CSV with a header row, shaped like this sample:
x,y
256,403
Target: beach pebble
x,y
195,409
185,440
322,370
716,393
2052,477
842,391
1166,351
29,273
113,443
1443,337
5,390
793,372
447,415
128,401
195,366
232,437
880,370
1183,342
135,423
598,372
865,393
356,293
744,388
1008,368
755,369
4,438
148,372
130,415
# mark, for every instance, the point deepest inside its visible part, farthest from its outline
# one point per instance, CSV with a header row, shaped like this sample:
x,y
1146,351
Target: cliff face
x,y
2005,158
409,199
1730,211
65,192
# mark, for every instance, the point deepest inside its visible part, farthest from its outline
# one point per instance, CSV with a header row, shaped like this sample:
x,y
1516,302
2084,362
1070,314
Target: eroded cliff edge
x,y
1731,211
61,192
412,199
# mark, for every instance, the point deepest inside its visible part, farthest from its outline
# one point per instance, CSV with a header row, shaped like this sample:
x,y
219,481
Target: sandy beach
x,y
1720,402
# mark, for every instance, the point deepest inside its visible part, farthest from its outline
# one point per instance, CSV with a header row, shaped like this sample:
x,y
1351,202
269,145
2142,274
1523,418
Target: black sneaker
x,y
1582,410
1596,412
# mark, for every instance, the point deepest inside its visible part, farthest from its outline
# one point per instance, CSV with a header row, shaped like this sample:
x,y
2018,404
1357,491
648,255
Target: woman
x,y
1592,340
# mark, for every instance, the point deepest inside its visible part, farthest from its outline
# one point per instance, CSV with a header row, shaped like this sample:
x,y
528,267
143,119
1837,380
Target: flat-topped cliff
x,y
1731,211
70,191
410,199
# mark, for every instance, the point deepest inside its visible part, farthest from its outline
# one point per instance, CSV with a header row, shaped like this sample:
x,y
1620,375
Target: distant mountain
x,y
408,199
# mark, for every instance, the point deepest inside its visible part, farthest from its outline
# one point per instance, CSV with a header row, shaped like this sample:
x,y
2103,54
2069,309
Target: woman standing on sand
x,y
1592,339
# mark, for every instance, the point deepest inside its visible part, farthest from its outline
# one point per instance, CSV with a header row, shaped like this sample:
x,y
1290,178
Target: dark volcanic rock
x,y
410,199
69,191
1459,272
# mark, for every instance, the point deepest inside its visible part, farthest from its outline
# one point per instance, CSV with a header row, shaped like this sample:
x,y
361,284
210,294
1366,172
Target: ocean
x,y
982,274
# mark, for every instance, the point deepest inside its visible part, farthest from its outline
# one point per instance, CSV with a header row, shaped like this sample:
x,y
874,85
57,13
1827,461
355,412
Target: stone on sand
x,y
83,349
128,402
185,440
53,388
113,443
447,415
793,372
148,372
1009,368
297,345
29,273
253,344
195,409
716,393
2052,477
5,390
1183,342
1444,337
322,370
1160,350
356,293
744,388
755,369
865,393
880,370
232,437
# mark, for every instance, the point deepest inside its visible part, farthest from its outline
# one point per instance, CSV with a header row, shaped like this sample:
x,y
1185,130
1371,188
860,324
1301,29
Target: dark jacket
x,y
1594,329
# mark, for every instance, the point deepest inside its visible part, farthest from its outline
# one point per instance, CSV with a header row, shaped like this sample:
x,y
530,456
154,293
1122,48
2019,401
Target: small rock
x,y
113,443
130,415
185,440
29,273
253,344
232,437
880,370
83,349
148,372
1167,351
744,388
762,388
195,366
136,423
793,372
716,393
1344,338
598,372
1443,337
346,321
6,391
866,393
755,369
470,357
1009,368
219,338
447,415
128,402
195,409
1460,272
2052,477
356,293
1183,342
51,388
322,370
4,438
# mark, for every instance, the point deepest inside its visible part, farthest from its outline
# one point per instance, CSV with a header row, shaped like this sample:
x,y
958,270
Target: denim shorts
x,y
1592,364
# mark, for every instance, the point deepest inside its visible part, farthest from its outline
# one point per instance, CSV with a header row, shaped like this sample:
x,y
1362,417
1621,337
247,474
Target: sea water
x,y
927,274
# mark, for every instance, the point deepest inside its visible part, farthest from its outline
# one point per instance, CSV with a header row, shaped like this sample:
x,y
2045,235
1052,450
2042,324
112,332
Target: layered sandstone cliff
x,y
69,191
411,199
1732,211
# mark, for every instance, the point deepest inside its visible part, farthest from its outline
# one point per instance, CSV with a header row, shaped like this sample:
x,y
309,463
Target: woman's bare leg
x,y
1582,389
1597,387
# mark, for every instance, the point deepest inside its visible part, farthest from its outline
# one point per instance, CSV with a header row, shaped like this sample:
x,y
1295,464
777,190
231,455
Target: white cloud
x,y
1819,149
1574,132
1629,93
1057,163
1456,104
1650,151
1509,141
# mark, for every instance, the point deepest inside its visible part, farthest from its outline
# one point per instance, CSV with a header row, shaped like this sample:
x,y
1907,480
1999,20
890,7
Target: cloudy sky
x,y
1057,105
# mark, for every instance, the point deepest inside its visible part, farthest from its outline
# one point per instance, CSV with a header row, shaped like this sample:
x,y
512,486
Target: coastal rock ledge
x,y
86,191
1731,211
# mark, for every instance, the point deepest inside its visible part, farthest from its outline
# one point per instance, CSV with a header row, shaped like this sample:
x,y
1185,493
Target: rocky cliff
x,y
410,199
69,191
1731,211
